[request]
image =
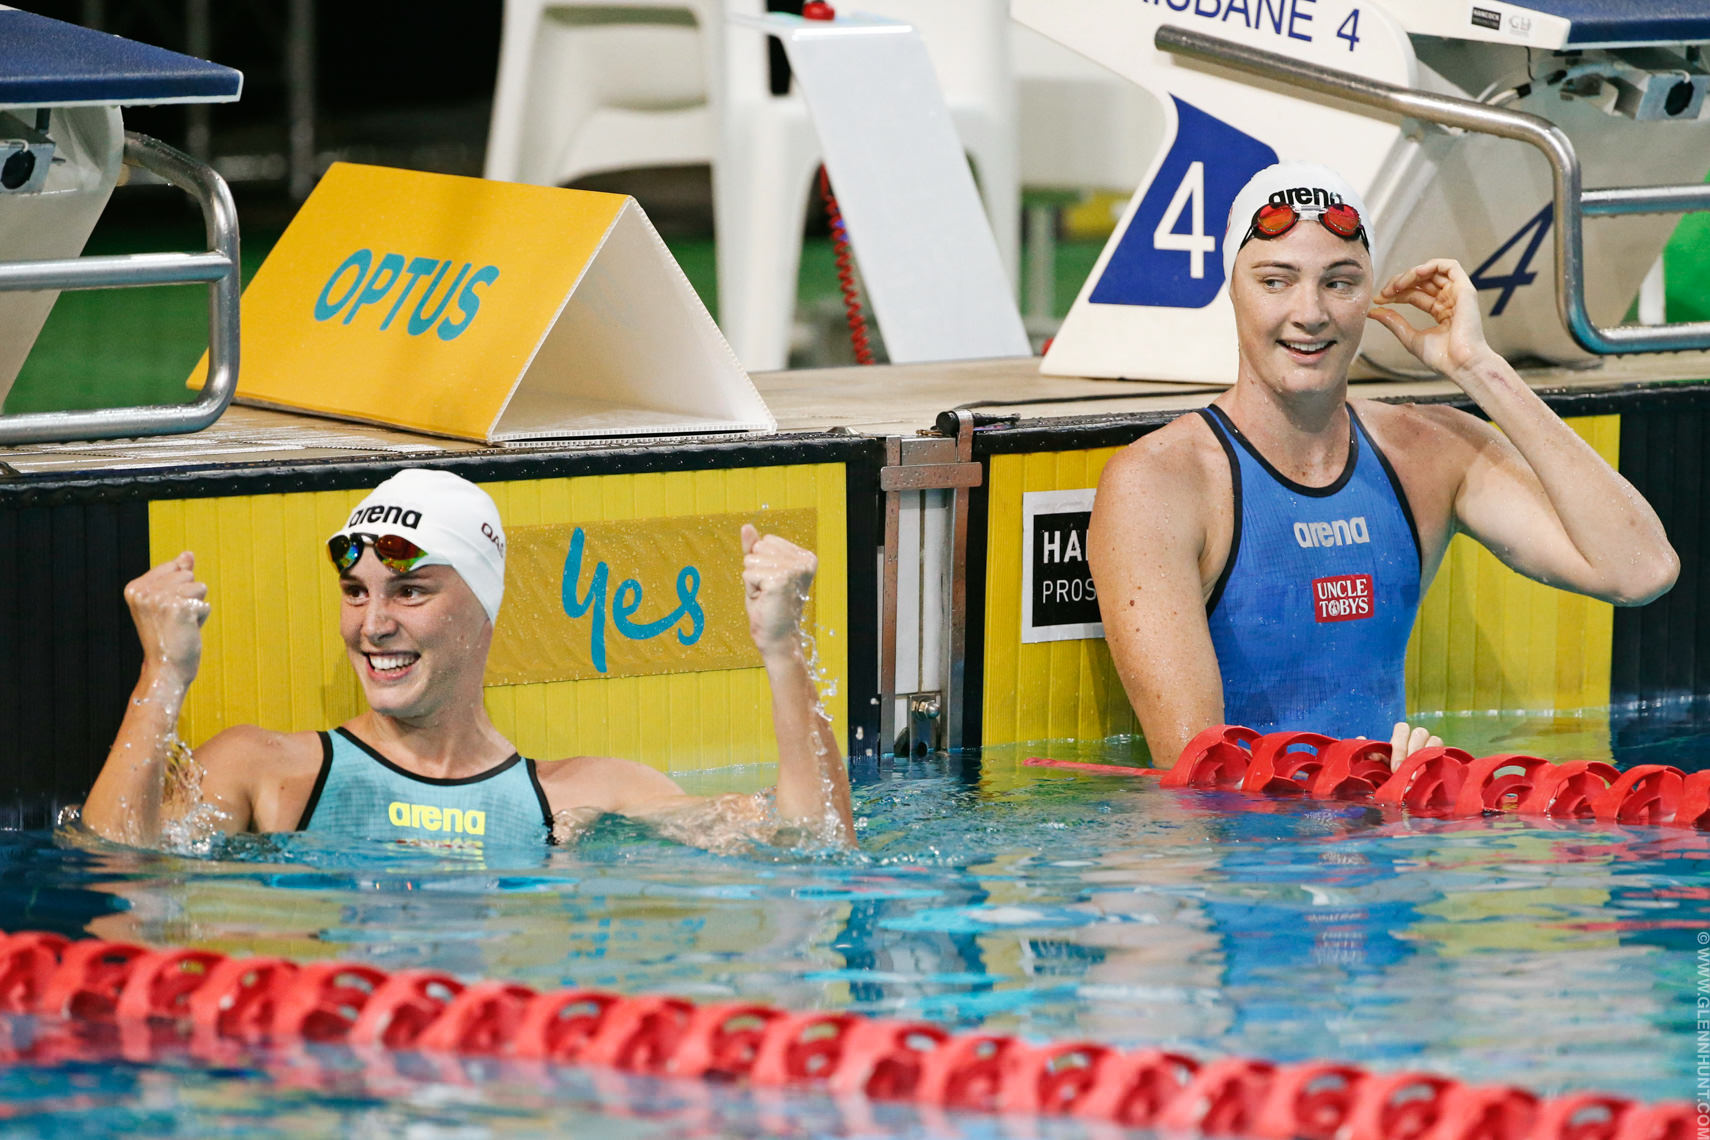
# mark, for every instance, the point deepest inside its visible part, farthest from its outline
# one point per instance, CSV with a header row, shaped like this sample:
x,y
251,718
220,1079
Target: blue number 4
x,y
1483,278
1350,29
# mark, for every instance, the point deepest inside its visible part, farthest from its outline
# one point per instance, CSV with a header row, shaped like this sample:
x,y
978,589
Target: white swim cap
x,y
449,517
1306,186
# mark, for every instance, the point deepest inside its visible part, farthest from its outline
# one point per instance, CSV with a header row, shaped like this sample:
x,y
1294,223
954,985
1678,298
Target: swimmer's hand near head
x,y
1442,290
168,605
1406,740
1525,485
776,576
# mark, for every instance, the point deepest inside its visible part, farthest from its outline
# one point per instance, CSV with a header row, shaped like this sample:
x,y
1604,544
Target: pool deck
x,y
885,400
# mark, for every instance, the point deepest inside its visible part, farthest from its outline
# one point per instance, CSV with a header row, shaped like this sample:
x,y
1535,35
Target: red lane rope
x,y
1433,781
858,338
176,998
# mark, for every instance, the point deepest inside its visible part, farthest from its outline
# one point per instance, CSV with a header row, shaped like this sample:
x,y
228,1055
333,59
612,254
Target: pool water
x,y
1046,903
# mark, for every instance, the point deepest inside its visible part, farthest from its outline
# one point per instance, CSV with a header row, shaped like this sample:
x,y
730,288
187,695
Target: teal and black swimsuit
x,y
361,794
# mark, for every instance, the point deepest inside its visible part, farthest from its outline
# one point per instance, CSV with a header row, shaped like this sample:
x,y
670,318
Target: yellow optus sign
x,y
486,311
617,599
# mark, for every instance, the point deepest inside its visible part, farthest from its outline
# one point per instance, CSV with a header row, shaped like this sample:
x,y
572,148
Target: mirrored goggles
x,y
1273,221
394,552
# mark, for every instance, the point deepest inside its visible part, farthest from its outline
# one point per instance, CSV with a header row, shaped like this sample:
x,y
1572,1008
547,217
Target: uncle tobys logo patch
x,y
1346,597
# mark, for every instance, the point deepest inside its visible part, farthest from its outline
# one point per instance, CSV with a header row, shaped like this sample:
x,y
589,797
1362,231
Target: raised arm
x,y
1145,544
813,783
1535,493
168,606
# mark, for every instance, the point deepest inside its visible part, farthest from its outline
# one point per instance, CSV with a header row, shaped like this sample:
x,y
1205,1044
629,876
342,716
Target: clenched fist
x,y
776,575
169,606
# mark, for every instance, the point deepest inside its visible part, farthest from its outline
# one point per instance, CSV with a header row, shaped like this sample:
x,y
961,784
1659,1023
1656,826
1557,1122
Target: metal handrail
x,y
1572,203
218,267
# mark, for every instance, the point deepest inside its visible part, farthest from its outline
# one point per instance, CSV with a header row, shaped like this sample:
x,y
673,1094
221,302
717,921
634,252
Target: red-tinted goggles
x,y
1273,221
395,553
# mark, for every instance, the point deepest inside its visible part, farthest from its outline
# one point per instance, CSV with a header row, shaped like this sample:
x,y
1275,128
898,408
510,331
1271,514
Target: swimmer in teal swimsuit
x,y
421,570
1261,562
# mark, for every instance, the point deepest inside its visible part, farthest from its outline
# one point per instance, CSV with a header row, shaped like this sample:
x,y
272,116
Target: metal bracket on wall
x,y
925,723
936,473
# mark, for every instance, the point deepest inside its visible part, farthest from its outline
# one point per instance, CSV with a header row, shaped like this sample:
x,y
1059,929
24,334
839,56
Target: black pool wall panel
x,y
1662,651
70,654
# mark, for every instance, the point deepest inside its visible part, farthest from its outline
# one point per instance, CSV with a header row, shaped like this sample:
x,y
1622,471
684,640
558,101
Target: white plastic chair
x,y
1080,127
588,87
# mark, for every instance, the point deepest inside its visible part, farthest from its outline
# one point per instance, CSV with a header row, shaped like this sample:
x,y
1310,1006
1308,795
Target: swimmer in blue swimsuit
x,y
421,566
1261,562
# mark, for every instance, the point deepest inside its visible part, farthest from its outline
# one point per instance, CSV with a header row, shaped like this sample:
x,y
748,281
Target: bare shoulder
x,y
1185,448
1163,511
1178,465
603,783
249,745
1436,431
1430,447
262,779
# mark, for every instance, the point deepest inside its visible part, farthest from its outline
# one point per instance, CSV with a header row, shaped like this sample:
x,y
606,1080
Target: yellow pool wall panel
x,y
1047,690
272,653
1486,637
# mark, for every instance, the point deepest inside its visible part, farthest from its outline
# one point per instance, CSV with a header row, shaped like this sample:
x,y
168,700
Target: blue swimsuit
x,y
361,794
1311,616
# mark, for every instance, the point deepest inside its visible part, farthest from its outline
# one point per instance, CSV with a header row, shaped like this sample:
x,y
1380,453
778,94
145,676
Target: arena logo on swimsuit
x,y
426,817
1337,532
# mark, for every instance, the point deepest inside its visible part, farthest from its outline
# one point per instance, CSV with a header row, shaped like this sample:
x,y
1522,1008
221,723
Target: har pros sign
x,y
1059,601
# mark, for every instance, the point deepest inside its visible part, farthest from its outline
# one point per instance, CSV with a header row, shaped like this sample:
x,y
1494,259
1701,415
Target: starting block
x,y
1473,130
62,144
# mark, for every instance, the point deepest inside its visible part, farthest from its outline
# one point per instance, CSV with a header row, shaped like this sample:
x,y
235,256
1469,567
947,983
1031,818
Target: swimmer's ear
x,y
750,536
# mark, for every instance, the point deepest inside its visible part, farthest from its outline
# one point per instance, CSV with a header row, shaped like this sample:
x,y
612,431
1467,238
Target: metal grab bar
x,y
218,267
1572,203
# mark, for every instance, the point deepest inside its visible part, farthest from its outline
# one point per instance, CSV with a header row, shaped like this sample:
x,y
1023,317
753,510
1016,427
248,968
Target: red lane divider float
x,y
1432,781
169,998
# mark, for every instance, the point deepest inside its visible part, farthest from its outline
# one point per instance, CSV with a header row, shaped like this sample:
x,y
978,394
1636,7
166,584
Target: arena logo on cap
x,y
1308,196
383,515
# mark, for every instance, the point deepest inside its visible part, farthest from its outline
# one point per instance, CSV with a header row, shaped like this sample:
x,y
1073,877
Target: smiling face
x,y
1300,308
418,641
